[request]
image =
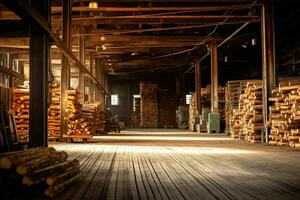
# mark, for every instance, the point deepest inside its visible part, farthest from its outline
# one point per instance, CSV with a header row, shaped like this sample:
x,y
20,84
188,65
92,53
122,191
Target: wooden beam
x,y
39,85
57,9
174,1
10,72
26,12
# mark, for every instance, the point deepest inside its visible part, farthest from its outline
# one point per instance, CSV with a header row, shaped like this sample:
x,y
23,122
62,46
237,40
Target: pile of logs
x,y
74,114
20,105
149,105
233,91
248,118
94,118
54,112
192,111
285,113
40,167
83,120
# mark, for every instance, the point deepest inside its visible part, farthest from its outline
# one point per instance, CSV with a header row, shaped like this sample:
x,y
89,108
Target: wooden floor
x,y
156,164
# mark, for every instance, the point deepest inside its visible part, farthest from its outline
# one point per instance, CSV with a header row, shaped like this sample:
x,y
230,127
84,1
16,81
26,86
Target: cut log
x,y
15,159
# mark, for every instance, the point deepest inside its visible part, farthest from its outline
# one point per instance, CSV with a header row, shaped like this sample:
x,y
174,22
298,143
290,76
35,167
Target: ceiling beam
x,y
24,10
58,9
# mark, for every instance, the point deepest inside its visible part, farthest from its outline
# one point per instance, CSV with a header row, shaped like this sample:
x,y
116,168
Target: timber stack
x,y
284,114
233,91
76,122
149,105
252,109
192,111
54,112
38,168
93,119
246,121
20,105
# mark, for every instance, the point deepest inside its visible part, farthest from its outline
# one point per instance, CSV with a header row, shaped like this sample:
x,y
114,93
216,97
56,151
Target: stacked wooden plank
x,y
252,109
233,91
284,114
192,111
74,116
149,105
20,105
246,121
40,167
94,118
166,110
54,112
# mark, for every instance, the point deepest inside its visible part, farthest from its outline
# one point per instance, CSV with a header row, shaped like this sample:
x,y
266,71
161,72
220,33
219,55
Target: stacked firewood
x,y
20,105
232,95
54,112
285,113
252,109
40,167
94,118
192,111
74,114
149,105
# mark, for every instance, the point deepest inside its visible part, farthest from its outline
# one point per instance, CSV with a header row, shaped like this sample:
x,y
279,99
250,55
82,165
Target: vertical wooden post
x,y
39,68
214,77
81,84
268,58
198,86
65,66
92,84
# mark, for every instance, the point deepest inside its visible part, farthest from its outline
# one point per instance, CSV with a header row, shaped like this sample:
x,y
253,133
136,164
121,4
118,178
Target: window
x,y
135,101
114,99
188,99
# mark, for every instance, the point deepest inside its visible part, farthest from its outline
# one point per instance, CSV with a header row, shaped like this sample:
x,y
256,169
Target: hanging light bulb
x,y
93,4
103,47
102,38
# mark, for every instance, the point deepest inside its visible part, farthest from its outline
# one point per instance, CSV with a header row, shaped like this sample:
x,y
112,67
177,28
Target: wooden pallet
x,y
77,138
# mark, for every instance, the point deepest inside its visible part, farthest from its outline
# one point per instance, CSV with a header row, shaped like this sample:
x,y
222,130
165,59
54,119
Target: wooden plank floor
x,y
160,164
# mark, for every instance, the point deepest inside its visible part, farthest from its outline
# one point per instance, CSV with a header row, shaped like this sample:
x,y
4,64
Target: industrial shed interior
x,y
148,99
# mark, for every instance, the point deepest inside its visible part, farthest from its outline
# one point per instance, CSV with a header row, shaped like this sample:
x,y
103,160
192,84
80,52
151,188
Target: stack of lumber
x,y
20,105
246,121
149,105
192,111
252,110
233,91
40,167
94,118
54,112
74,116
236,121
285,113
166,110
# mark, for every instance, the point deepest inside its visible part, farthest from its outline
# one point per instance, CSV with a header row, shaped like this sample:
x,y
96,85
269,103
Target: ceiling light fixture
x,y
103,47
93,4
102,38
